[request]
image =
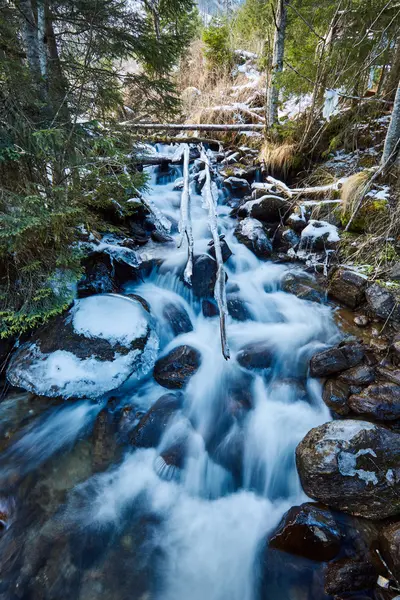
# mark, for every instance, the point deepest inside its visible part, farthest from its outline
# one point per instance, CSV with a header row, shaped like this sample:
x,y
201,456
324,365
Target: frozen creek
x,y
136,530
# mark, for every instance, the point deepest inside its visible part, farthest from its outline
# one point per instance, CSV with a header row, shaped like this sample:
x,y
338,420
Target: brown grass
x,y
278,158
353,189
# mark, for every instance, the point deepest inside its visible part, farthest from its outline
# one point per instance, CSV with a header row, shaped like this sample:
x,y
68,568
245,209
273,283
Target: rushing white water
x,y
215,521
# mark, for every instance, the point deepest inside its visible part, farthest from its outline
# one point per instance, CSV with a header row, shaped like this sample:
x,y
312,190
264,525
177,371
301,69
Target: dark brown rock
x,y
104,443
352,466
336,359
178,318
381,401
175,369
204,276
238,309
382,302
269,208
389,546
225,250
335,395
308,531
347,287
359,375
252,234
257,355
149,430
346,575
302,287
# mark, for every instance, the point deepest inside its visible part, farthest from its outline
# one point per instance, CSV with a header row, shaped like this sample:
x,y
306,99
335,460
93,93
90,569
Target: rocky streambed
x,y
138,463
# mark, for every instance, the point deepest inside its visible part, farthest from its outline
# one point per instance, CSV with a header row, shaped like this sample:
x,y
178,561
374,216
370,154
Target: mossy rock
x,y
367,216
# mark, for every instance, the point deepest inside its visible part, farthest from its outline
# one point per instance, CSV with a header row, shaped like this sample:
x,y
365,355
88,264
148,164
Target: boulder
x,y
335,395
149,430
251,233
336,359
308,531
92,349
347,575
269,208
204,276
238,309
178,318
352,466
256,355
285,238
347,287
160,237
297,222
209,308
299,285
381,401
382,302
225,250
237,186
319,235
389,546
359,375
175,369
98,275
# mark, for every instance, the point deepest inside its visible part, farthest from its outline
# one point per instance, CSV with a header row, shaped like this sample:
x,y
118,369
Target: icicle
x,y
185,222
209,194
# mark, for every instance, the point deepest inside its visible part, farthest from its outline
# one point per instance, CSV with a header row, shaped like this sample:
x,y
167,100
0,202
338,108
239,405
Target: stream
x,y
149,528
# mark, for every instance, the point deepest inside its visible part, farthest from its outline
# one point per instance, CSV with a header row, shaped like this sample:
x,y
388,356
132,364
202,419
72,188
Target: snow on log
x,y
209,196
185,223
194,126
290,192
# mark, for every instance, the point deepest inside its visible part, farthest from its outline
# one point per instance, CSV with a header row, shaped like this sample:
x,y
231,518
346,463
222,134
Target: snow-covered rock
x,y
319,235
252,234
101,342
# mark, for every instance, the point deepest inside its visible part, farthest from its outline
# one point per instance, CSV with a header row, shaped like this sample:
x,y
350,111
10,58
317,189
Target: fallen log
x,y
209,198
291,192
185,223
193,127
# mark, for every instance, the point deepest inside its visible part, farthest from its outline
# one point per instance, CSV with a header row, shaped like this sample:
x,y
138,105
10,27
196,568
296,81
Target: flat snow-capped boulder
x,y
352,466
92,349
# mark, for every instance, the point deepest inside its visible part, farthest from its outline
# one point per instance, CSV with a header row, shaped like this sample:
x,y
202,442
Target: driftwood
x,y
185,223
192,127
219,290
158,139
274,185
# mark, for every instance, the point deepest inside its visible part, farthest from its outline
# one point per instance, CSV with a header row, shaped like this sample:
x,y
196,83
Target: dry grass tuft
x,y
353,189
278,158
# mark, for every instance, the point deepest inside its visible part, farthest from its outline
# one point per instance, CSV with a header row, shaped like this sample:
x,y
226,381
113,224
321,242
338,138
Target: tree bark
x,y
42,43
277,63
392,141
393,75
31,40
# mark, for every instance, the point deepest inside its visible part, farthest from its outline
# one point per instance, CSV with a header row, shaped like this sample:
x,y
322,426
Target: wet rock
x,y
298,285
347,287
230,452
104,443
285,238
149,430
296,222
361,320
238,309
160,237
382,303
138,234
336,359
359,375
392,375
238,187
204,276
269,208
346,575
394,272
225,250
335,395
381,401
175,369
251,233
257,355
389,546
352,466
178,318
308,531
209,308
90,350
98,275
169,464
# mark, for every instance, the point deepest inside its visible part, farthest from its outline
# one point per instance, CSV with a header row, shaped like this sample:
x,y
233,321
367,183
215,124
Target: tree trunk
x,y
393,75
42,42
58,89
194,127
277,63
392,141
31,41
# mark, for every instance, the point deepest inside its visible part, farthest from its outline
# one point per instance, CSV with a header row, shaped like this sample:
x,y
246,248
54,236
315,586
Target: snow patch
x,y
318,229
347,463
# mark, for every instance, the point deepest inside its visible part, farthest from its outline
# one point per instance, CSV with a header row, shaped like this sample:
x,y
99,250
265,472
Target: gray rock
x,y
347,287
225,250
204,276
382,303
301,286
237,186
381,401
251,233
257,355
178,318
352,466
359,375
308,531
285,238
336,359
269,208
149,430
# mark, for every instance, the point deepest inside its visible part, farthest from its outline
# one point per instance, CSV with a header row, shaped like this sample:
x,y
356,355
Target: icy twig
x,y
185,223
209,198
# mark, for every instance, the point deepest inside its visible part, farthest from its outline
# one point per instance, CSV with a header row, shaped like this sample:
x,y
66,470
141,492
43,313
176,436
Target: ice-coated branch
x,y
209,198
194,126
185,222
291,192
